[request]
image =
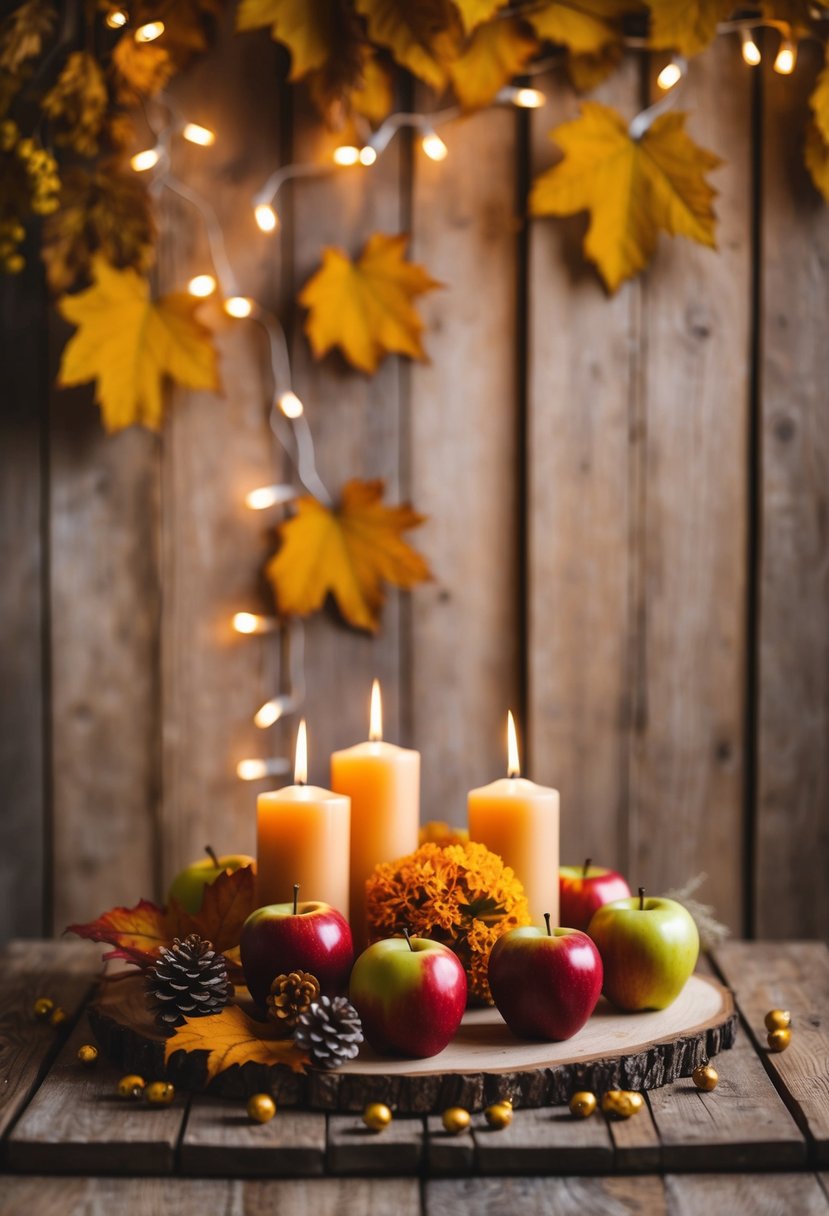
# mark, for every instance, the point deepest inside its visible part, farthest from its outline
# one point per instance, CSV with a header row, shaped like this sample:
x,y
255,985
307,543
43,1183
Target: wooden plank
x,y
464,460
353,1149
793,645
62,971
23,611
686,774
636,1142
447,1153
546,1196
745,1195
764,976
76,1123
220,1140
546,1141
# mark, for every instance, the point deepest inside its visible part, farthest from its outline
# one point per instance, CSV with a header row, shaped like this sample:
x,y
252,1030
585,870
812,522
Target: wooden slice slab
x,y
484,1062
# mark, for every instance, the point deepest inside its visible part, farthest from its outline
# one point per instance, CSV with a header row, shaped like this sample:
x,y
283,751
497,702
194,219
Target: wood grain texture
x,y
746,1195
462,449
686,773
546,1196
767,976
220,1140
544,1142
76,1123
447,1152
793,712
24,826
354,1149
636,1141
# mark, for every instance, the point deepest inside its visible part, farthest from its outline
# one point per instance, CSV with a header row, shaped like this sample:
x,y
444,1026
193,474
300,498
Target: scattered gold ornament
x,y
778,1019
499,1115
376,1116
160,1093
623,1103
58,1016
583,1104
131,1086
43,1007
705,1077
261,1108
778,1040
456,1120
88,1055
290,996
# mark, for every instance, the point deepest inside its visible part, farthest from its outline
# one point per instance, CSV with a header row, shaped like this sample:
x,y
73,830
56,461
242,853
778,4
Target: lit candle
x,y
518,820
302,836
383,782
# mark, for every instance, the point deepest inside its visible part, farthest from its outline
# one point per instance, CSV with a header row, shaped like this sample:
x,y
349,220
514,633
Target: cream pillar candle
x,y
302,836
383,782
519,821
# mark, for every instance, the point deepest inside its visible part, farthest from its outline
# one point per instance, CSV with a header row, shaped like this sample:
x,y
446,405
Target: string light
x,y
786,59
346,154
255,770
433,146
202,286
525,99
149,31
290,405
368,155
269,496
670,75
749,48
148,159
239,307
266,218
116,19
271,712
196,134
252,622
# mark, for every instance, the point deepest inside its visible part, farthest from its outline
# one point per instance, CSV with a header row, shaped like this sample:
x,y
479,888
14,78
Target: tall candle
x,y
302,836
519,821
383,782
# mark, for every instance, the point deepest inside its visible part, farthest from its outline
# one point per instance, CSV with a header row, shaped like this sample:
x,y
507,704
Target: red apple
x,y
584,889
310,936
545,982
410,994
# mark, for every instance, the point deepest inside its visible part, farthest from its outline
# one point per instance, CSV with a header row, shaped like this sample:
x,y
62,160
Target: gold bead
x,y
778,1019
705,1077
261,1108
88,1055
582,1104
376,1116
456,1120
160,1093
58,1016
622,1103
131,1086
499,1114
778,1040
43,1007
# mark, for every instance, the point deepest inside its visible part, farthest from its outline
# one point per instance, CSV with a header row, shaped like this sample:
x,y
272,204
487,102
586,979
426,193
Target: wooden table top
x,y
758,1144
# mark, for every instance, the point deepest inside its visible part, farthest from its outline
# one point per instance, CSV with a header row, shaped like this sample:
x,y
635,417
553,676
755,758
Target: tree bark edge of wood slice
x,y
127,1035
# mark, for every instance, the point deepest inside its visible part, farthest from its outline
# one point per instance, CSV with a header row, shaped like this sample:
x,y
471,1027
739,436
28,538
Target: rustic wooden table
x,y
757,1144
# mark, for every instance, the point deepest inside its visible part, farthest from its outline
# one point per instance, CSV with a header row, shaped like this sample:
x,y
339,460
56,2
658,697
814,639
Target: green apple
x,y
649,948
187,888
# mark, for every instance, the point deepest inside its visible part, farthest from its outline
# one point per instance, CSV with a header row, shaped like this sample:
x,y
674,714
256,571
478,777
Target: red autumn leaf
x,y
136,933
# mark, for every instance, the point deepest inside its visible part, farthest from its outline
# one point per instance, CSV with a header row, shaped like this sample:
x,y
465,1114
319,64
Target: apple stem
x,y
208,848
547,923
641,899
296,897
586,867
408,939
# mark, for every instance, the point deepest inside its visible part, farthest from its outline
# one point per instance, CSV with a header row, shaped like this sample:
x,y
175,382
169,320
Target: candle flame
x,y
513,763
301,762
375,728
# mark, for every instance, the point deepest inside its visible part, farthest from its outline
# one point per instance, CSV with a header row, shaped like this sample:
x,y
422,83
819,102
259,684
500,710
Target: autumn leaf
x,y
141,69
372,96
424,37
187,24
819,103
23,31
308,28
349,551
816,156
473,12
632,188
687,26
77,103
496,52
365,307
128,345
231,1037
586,27
587,71
134,933
227,902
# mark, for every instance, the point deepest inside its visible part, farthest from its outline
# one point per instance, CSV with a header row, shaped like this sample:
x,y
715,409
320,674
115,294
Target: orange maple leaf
x,y
349,551
231,1037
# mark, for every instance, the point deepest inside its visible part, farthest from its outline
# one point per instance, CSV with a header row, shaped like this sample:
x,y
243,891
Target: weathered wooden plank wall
x,y
627,503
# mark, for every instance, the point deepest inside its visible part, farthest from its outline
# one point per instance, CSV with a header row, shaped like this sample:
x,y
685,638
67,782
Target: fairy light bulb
x,y
266,218
346,154
238,307
513,762
291,405
252,622
670,75
749,49
142,161
201,286
786,59
368,155
529,99
116,19
196,134
269,713
149,31
255,770
268,496
433,146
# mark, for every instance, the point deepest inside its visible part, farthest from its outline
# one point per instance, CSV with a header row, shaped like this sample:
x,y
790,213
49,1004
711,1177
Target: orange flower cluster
x,y
461,895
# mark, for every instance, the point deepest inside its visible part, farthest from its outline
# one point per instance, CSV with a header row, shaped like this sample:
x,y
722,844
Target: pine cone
x,y
329,1031
188,981
291,995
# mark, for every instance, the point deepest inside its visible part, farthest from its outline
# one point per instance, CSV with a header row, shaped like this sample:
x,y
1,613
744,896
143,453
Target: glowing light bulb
x,y
202,136
529,99
268,496
238,306
255,770
202,286
269,713
513,763
116,19
670,75
367,155
266,218
149,31
148,159
346,154
433,146
291,405
251,622
750,49
786,59
301,761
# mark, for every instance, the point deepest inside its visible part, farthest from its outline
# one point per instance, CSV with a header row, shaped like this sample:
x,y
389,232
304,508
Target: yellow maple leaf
x,y
365,307
473,12
424,36
587,70
231,1037
819,103
349,551
318,33
687,26
140,68
816,156
496,52
128,345
584,28
632,188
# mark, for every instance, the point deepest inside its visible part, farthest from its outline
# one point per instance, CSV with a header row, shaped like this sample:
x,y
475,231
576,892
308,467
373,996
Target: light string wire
x,y
286,416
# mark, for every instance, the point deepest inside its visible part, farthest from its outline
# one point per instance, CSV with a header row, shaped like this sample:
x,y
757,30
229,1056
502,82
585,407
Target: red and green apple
x,y
187,888
584,889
